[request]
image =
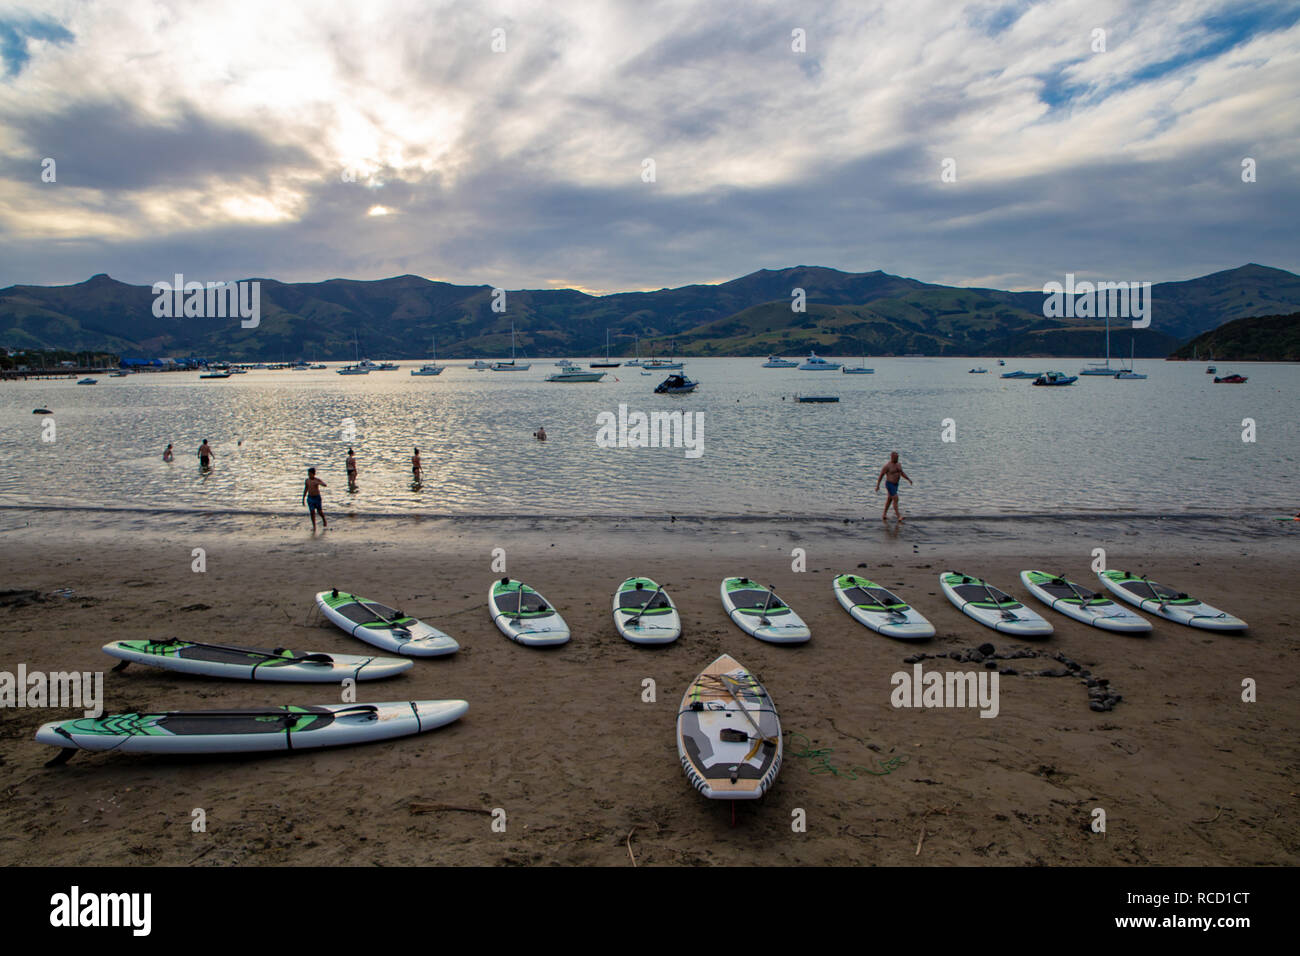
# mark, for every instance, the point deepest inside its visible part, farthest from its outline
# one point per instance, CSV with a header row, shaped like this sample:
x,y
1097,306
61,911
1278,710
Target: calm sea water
x,y
1168,445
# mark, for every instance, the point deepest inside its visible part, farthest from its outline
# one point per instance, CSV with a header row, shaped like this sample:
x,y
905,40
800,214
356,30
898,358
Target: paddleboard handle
x,y
640,585
334,592
505,580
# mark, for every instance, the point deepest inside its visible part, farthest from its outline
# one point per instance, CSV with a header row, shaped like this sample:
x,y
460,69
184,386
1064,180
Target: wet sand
x,y
562,741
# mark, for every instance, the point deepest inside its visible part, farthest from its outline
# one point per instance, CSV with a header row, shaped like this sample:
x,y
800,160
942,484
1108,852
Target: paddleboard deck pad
x,y
757,611
991,607
254,663
1167,602
880,609
728,733
524,616
253,730
384,626
645,614
1083,604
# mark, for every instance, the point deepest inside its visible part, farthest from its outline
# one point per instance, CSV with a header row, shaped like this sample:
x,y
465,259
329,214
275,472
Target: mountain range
x,y
846,314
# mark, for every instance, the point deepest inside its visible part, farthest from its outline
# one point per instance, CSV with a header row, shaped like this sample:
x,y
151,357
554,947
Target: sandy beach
x,y
586,771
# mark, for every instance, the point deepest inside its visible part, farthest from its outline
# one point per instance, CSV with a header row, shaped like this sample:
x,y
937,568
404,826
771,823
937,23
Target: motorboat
x,y
572,373
676,385
1055,378
1226,380
815,363
1018,373
775,361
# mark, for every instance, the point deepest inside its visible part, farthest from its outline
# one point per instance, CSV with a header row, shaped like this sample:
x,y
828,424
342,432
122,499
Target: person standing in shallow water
x,y
167,453
352,470
415,465
311,497
205,455
891,473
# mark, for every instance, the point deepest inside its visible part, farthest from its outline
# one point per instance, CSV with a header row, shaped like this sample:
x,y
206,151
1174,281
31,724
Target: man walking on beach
x,y
891,473
312,499
205,454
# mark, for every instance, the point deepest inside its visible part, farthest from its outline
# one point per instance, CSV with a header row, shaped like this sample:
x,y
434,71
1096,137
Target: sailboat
x,y
1098,368
664,364
359,368
858,369
433,368
607,363
1128,373
512,365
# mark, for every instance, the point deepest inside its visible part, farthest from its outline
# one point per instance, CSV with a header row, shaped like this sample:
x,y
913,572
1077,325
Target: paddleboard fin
x,y
62,757
121,666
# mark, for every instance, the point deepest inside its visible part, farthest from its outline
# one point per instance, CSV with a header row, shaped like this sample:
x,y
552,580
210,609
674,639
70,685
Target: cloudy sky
x,y
510,143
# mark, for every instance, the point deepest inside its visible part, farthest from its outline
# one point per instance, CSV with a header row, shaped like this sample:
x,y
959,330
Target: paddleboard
x,y
759,612
880,609
524,616
383,626
991,607
728,733
1083,604
253,663
246,731
1168,603
645,614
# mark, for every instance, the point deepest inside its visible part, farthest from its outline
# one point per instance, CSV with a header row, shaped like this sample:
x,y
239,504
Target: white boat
x,y
1101,368
775,361
91,381
858,369
638,361
566,363
815,363
572,373
479,365
362,366
1127,373
215,374
978,371
608,363
352,370
512,365
432,368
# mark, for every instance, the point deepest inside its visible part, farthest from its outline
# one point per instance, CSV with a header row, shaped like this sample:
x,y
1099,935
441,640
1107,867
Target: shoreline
x,y
545,728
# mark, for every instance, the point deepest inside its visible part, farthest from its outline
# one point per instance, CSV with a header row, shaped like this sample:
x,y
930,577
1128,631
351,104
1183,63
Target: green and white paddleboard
x,y
524,616
382,626
991,607
1074,600
253,663
880,609
757,611
1167,602
255,729
645,614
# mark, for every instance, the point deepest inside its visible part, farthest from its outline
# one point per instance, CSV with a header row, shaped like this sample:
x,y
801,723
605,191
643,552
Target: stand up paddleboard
x,y
645,614
991,607
757,611
253,663
524,616
880,609
384,627
1170,604
248,731
728,734
1074,600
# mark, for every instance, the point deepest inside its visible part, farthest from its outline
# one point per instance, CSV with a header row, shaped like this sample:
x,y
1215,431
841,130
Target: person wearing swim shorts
x,y
415,465
205,455
891,473
352,470
311,497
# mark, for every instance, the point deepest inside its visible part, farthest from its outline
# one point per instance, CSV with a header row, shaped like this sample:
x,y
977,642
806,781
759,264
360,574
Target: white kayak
x,y
1171,604
728,733
645,614
880,609
757,611
250,730
254,663
383,626
991,607
1074,600
524,616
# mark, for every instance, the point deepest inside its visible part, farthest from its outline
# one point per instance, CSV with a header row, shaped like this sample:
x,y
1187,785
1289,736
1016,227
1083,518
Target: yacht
x,y
775,361
512,365
479,365
815,363
432,368
572,373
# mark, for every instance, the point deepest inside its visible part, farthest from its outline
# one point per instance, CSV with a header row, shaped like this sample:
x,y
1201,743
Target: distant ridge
x,y
1264,338
846,314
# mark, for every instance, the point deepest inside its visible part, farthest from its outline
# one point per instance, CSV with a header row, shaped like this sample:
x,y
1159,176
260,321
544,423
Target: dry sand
x,y
561,740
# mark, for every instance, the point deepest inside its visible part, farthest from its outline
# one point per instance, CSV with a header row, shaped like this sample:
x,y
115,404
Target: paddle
x,y
645,607
1083,602
251,652
1006,614
726,683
